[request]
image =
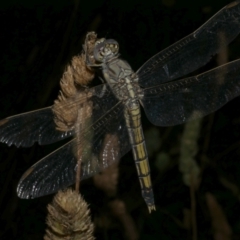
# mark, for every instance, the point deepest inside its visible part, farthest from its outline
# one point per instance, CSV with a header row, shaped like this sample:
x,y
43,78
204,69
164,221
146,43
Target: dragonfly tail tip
x,y
151,208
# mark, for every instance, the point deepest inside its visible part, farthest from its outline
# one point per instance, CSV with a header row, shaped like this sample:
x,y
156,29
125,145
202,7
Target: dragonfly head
x,y
105,49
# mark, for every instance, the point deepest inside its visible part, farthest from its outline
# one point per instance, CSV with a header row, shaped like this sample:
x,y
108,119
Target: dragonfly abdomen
x,y
133,122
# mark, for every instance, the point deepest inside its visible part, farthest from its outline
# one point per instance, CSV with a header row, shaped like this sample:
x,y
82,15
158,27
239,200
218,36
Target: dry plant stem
x,y
85,111
193,207
189,167
69,109
78,171
232,148
107,181
78,174
221,228
88,46
187,219
119,211
231,186
222,58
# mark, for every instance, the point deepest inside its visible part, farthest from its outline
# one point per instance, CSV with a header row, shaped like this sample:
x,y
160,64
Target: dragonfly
x,y
113,126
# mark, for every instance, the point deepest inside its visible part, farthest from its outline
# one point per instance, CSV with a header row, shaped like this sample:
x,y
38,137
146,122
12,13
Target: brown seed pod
x,y
73,82
69,218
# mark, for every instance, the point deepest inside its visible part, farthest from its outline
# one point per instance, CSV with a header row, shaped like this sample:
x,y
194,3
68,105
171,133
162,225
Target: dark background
x,y
39,38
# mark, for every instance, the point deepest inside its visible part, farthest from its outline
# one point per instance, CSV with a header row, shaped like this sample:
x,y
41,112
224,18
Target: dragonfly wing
x,y
27,128
53,172
38,126
103,143
179,101
193,51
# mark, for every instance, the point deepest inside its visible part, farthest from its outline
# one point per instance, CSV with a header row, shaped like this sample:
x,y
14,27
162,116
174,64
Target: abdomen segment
x,y
133,122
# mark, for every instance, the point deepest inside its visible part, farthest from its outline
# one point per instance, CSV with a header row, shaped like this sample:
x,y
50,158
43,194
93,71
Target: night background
x,y
38,39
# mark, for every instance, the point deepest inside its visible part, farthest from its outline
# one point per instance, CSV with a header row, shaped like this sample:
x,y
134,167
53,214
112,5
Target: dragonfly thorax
x,y
122,79
127,90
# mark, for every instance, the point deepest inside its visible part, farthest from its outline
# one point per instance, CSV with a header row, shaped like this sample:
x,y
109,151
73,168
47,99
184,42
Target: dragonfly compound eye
x,y
112,45
105,49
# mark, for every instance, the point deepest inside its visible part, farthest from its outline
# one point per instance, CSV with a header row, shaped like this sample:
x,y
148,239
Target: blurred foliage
x,y
38,39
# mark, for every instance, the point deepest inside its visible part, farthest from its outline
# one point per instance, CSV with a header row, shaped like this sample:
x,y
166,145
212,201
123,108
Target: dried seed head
x,y
76,76
69,218
81,73
65,112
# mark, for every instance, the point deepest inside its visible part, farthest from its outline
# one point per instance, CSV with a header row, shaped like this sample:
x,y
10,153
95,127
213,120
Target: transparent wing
x,y
194,50
27,128
38,126
179,101
104,142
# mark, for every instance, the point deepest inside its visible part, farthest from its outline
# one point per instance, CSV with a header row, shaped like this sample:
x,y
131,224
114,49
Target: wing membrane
x,y
38,126
179,101
26,128
193,51
102,144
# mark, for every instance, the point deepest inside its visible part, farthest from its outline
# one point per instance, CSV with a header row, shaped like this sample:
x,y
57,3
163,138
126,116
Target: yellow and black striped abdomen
x,y
133,122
